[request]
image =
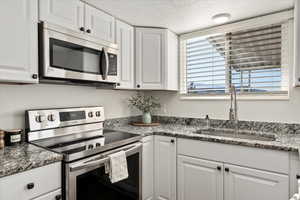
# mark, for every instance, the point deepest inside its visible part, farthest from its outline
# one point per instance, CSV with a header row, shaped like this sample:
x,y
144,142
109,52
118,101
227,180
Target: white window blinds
x,y
249,59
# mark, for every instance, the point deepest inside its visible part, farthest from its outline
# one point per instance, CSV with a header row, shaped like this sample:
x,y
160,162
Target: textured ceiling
x,y
186,15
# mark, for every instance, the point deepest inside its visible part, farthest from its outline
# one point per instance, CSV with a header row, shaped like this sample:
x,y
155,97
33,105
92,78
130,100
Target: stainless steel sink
x,y
230,133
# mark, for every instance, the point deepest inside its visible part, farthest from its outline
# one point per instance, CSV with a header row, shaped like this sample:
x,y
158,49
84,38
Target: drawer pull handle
x,y
226,169
58,197
30,186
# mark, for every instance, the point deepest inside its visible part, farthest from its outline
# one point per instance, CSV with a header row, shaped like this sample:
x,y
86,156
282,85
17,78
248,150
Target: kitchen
x,y
221,77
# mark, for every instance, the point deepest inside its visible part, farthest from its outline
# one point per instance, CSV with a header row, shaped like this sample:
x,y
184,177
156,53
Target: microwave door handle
x,y
104,64
90,164
107,64
95,163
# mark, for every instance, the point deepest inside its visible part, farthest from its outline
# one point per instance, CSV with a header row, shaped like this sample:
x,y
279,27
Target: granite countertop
x,y
283,142
24,157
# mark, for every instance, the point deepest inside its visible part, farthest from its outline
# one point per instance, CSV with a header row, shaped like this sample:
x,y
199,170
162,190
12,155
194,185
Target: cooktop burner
x,y
73,149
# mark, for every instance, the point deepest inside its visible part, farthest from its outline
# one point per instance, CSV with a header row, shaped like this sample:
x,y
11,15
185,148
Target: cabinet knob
x,y
82,29
297,176
30,186
88,31
118,84
219,168
138,86
299,79
226,169
34,76
172,141
58,197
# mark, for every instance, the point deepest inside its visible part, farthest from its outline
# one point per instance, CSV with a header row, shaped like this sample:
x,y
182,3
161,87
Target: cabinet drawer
x,y
56,195
32,183
270,160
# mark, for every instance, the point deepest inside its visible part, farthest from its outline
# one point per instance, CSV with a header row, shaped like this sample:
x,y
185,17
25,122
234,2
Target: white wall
x,y
15,99
255,110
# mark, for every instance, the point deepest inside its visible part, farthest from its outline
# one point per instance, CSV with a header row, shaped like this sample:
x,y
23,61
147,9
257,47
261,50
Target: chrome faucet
x,y
233,112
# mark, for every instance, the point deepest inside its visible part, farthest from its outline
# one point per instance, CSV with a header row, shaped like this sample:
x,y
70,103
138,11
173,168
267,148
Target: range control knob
x,y
98,114
91,114
40,118
51,118
98,144
90,146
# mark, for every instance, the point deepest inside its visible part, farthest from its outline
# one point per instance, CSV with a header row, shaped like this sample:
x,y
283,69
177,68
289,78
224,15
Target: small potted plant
x,y
146,104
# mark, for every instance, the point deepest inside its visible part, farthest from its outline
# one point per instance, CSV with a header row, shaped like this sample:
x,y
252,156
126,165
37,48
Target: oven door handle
x,y
95,163
104,62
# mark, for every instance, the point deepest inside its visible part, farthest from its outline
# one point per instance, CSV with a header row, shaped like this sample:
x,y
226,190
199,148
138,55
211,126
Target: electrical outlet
x,y
164,109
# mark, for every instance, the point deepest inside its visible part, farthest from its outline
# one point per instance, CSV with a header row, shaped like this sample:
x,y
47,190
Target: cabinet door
x,y
66,13
199,179
124,36
18,49
99,25
247,184
297,42
165,168
150,58
148,168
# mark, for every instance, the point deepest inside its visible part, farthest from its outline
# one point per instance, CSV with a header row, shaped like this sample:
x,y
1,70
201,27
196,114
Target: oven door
x,y
86,179
68,57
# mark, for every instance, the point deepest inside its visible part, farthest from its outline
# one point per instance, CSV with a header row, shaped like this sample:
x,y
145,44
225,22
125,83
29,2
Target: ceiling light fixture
x,y
221,18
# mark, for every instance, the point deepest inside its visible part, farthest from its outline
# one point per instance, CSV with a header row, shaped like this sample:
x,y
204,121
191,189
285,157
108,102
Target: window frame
x,y
285,17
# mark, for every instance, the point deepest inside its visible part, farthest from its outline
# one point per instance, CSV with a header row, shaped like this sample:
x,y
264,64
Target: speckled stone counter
x,y
24,157
283,142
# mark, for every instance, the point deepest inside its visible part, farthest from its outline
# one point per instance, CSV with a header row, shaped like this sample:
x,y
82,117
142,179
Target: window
x,y
251,59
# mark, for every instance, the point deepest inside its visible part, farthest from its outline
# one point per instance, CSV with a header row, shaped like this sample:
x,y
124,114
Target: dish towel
x,y
116,167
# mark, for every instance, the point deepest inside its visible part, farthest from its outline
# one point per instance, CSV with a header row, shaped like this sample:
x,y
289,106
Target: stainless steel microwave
x,y
68,55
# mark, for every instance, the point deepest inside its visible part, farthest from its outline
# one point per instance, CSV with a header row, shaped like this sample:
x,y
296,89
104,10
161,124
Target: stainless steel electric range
x,y
78,134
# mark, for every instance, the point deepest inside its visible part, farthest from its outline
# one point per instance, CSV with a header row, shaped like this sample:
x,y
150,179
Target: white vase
x,y
147,118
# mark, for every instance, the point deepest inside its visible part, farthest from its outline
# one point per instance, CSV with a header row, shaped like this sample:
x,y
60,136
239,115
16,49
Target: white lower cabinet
x,y
159,168
56,195
199,179
165,168
241,183
211,171
204,172
148,168
35,183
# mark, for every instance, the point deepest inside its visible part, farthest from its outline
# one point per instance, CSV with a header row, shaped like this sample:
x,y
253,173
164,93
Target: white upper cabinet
x,y
99,24
165,168
124,40
199,179
156,59
243,183
18,49
79,17
66,13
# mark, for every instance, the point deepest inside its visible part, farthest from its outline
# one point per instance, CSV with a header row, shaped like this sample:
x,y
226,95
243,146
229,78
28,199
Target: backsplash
x,y
268,127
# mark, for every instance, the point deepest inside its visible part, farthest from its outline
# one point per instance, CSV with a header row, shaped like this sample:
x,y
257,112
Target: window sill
x,y
249,97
